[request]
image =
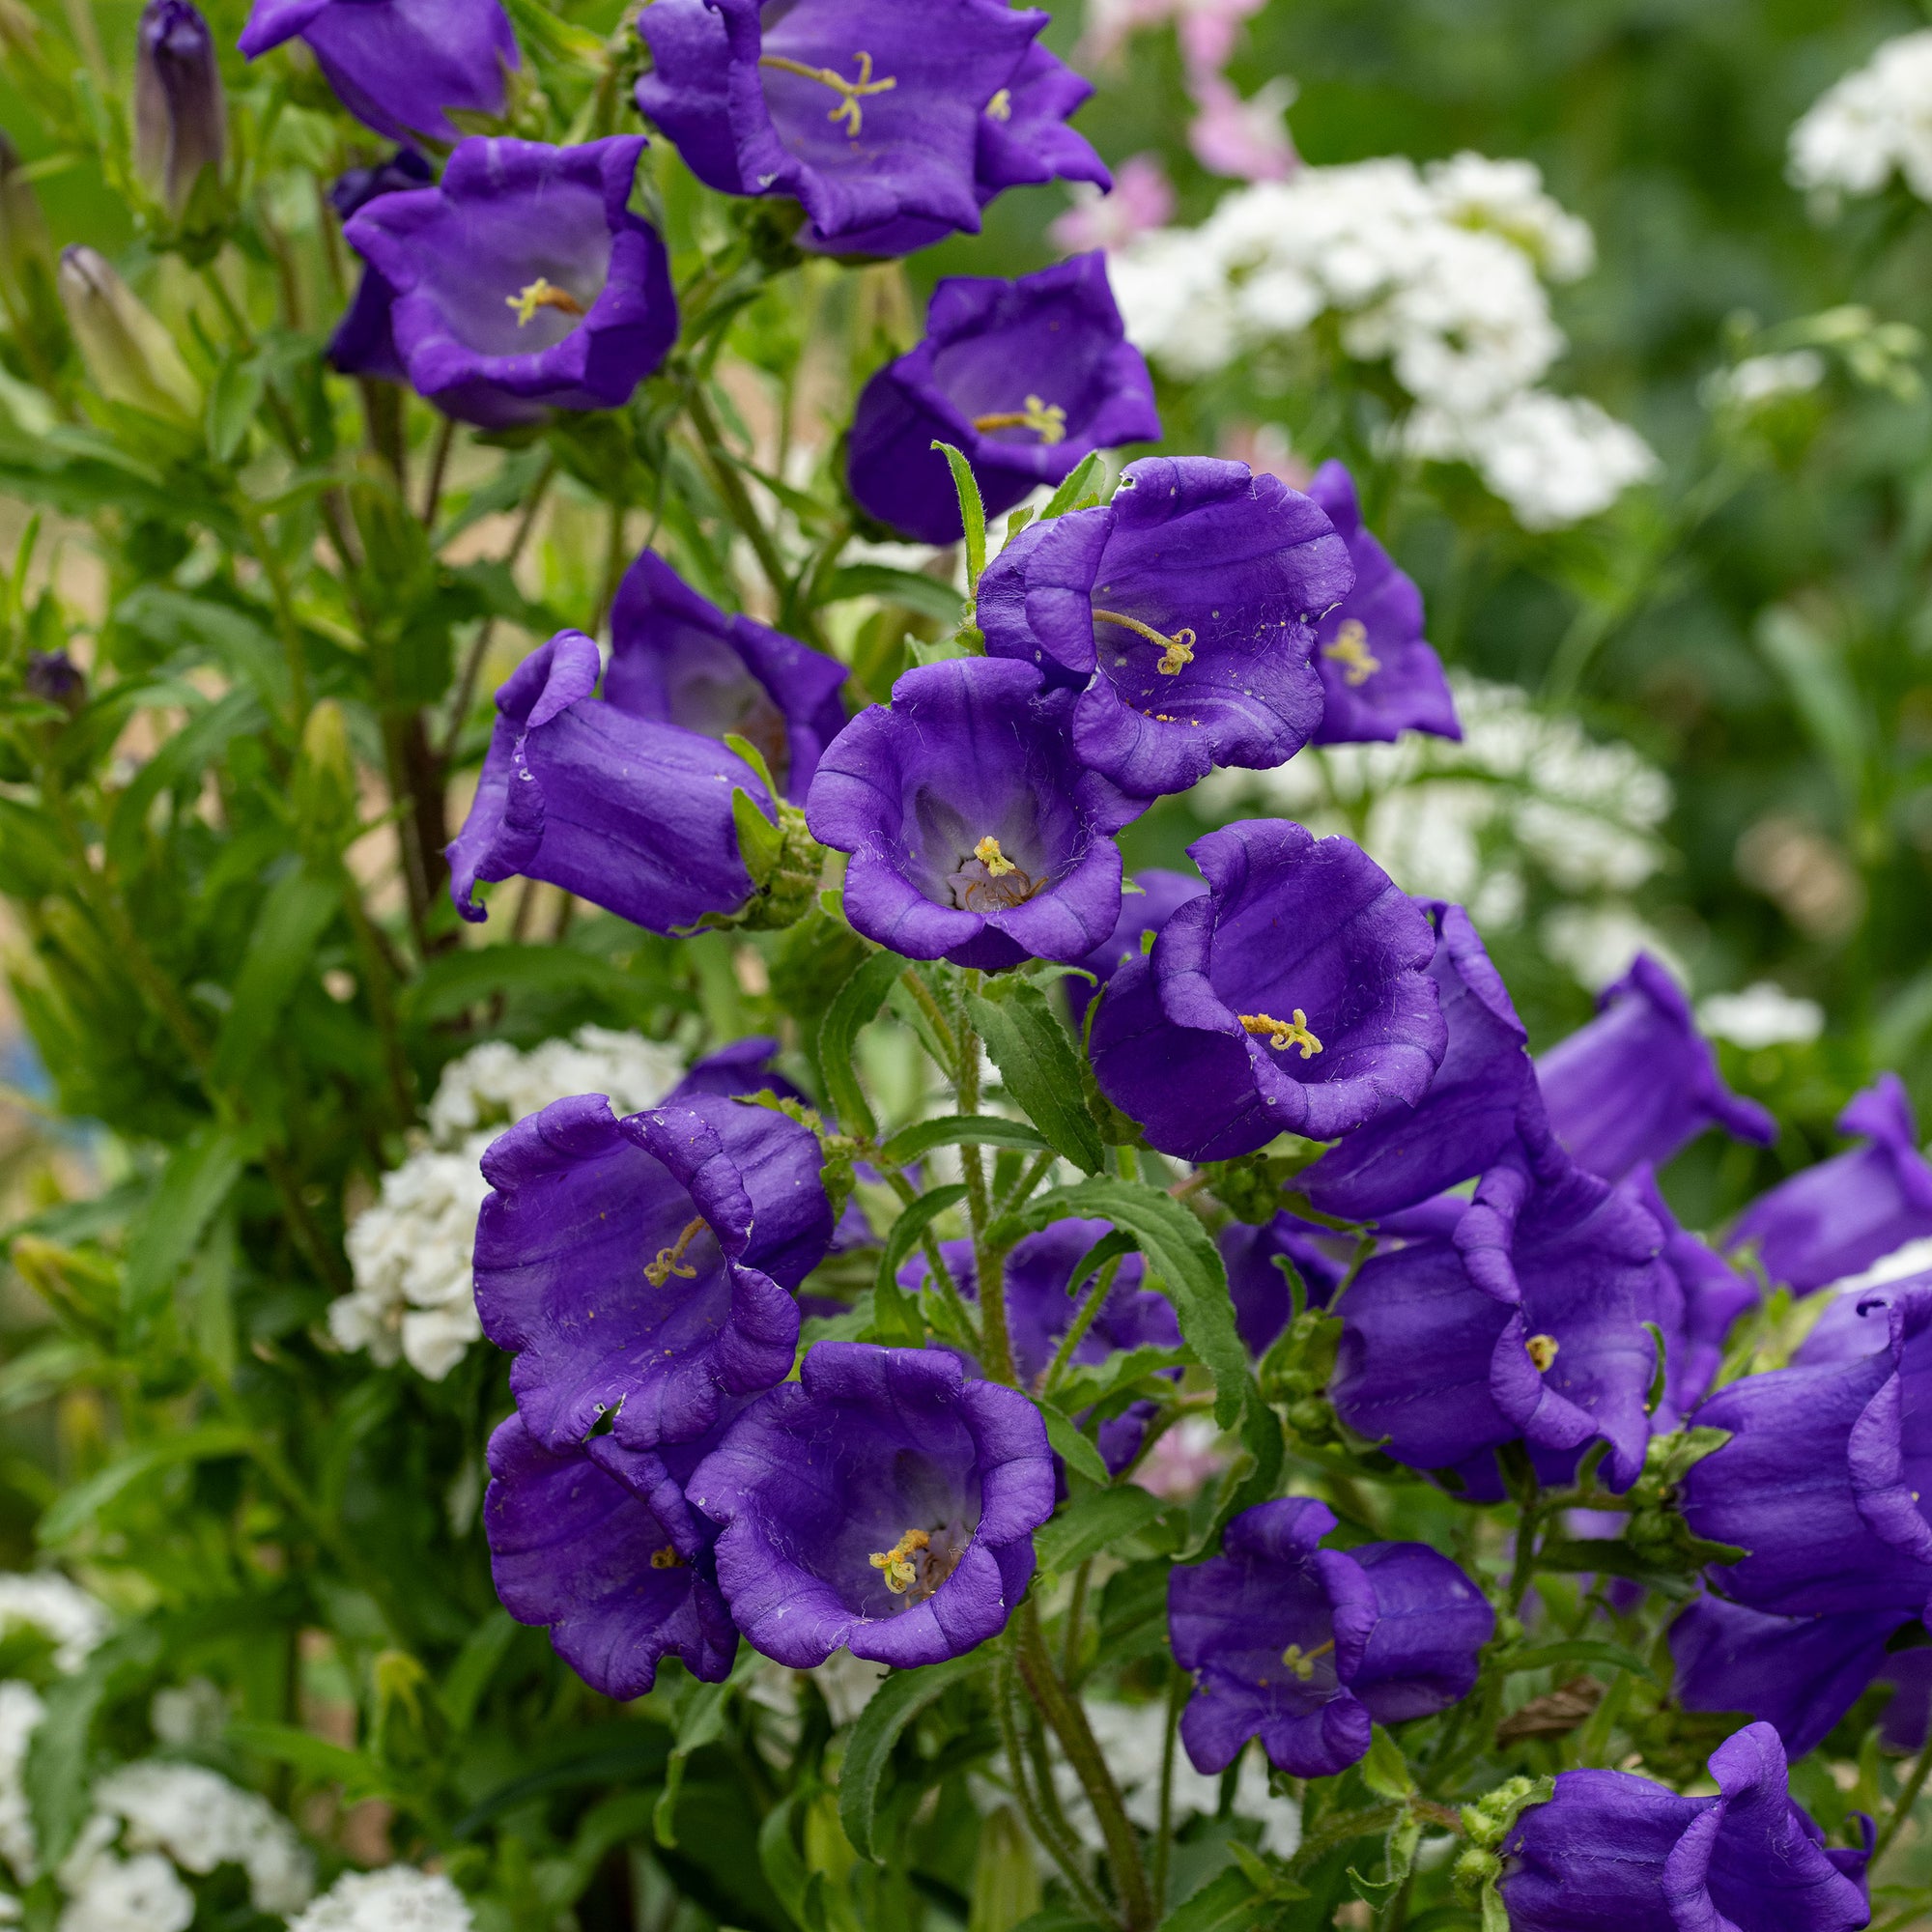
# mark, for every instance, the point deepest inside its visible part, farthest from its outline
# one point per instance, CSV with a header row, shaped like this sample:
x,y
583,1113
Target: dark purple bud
x,y
633,816
1379,678
1639,1082
1839,1217
1305,1647
642,1270
1024,140
1142,912
1027,378
522,283
976,836
181,117
355,187
598,1543
1182,611
1798,1674
1612,1851
1470,1111
867,115
885,1503
1524,1321
1258,1287
54,679
1293,997
364,343
677,659
397,65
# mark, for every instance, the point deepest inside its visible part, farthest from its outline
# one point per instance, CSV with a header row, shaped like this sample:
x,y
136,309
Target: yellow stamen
x,y
1351,650
1284,1033
1302,1662
900,1571
848,92
666,1559
1178,650
989,855
670,1260
1543,1351
1001,106
1047,420
541,294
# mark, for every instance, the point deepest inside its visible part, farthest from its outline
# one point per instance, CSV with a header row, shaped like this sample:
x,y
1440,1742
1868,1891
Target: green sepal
x,y
971,513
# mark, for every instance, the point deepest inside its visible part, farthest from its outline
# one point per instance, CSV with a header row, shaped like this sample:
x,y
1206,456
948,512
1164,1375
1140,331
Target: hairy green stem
x,y
989,1260
1076,1333
1901,1809
1042,1813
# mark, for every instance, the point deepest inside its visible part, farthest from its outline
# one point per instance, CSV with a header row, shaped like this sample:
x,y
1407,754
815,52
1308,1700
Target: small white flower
x,y
494,1085
186,1714
1598,944
20,1713
1913,1258
1762,378
1763,1014
1875,122
138,1895
399,1898
45,1600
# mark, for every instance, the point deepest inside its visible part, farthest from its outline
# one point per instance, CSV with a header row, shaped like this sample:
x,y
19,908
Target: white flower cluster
x,y
45,1601
410,1251
398,1899
1526,794
1763,1014
1439,272
1876,122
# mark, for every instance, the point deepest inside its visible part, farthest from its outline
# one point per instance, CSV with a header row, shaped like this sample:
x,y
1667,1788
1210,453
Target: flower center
x,y
1542,1350
1001,106
1302,1662
670,1260
541,294
1047,420
849,92
666,1559
1281,1035
920,1561
1178,650
990,882
1351,650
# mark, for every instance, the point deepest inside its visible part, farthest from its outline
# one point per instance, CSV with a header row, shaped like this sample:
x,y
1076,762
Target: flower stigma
x,y
920,1561
1281,1035
666,1559
986,880
1302,1662
1351,650
1542,1350
1047,420
541,294
1177,651
989,855
670,1260
849,92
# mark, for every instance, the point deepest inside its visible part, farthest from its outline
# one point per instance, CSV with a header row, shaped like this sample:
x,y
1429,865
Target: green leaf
x,y
358,1774
923,596
232,404
896,1702
200,1174
1385,1770
895,1313
620,1752
972,512
1082,1387
855,1005
74,1509
1040,1068
476,1663
59,1764
910,1144
760,842
1227,1903
1375,1893
1078,1451
454,981
1495,1914
1076,487
1576,1650
1187,1268
1088,1526
701,1723
280,955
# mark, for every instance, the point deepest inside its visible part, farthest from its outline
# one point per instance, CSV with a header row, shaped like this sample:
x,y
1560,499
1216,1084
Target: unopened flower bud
x,y
23,228
130,357
54,679
181,118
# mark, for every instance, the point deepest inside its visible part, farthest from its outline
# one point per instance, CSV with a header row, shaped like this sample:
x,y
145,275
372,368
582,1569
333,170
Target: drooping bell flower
x,y
1521,1322
1027,379
633,816
676,658
397,65
885,1501
1182,613
1141,912
364,341
976,834
1042,1300
1798,1674
1821,1477
1461,1125
522,282
1305,1647
1291,997
1612,1851
864,114
1380,678
1259,1290
1839,1217
1639,1082
642,1270
1023,141
598,1543
181,117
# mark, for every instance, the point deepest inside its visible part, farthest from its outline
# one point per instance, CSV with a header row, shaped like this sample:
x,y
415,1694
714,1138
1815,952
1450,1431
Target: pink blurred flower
x,y
1265,447
1143,198
1183,1462
1207,28
1245,139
